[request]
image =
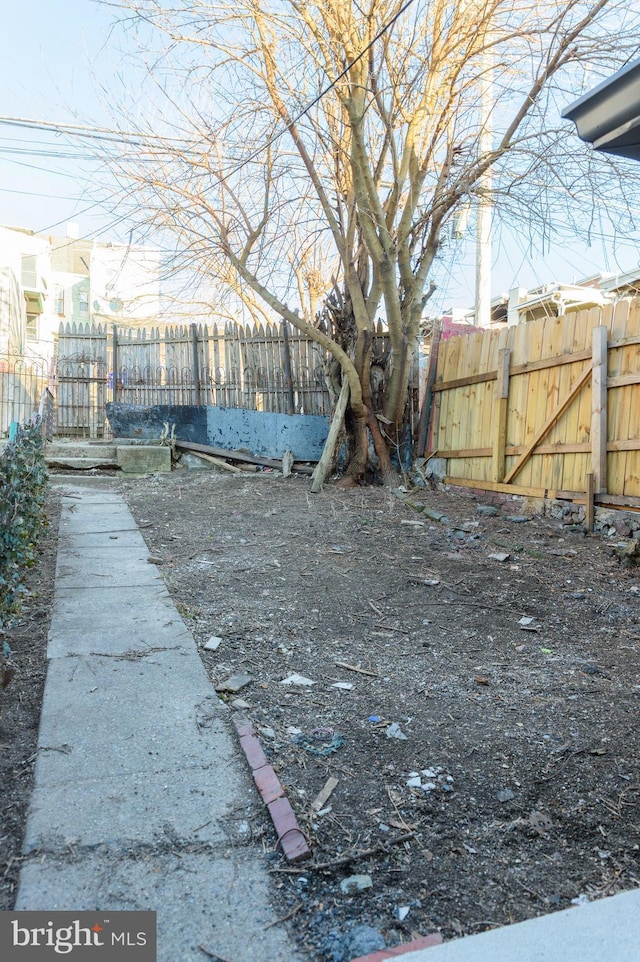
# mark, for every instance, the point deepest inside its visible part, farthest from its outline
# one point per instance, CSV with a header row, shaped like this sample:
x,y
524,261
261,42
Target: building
x,y
46,280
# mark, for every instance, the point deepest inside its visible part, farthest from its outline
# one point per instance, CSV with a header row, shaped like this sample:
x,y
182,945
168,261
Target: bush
x,y
23,491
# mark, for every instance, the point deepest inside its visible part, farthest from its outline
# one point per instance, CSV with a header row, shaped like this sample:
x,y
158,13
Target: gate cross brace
x,y
559,411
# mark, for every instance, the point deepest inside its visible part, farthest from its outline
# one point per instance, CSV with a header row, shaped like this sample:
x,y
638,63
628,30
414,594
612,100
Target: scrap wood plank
x,y
323,796
544,430
239,456
219,463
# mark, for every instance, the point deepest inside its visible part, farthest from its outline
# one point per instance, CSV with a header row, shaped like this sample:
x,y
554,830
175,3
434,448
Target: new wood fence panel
x,y
622,465
550,435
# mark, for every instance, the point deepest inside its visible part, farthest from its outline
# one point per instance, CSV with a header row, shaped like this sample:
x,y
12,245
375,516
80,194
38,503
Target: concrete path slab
x,y
141,798
203,898
106,568
604,931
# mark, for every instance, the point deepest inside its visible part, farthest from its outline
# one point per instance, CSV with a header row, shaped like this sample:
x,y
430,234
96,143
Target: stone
x,y
394,731
235,682
213,643
356,883
489,510
296,679
144,459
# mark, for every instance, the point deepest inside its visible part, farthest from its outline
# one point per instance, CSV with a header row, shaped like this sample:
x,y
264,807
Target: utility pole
x,y
485,205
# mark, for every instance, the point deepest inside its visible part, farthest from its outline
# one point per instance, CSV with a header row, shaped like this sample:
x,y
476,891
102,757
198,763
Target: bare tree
x,y
311,154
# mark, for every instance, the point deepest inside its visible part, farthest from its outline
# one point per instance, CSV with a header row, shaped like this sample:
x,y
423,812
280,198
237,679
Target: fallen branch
x,y
238,456
326,459
218,462
284,918
381,848
361,671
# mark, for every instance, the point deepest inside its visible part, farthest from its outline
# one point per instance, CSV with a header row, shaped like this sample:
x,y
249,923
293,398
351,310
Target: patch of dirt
x,y
516,787
512,787
20,704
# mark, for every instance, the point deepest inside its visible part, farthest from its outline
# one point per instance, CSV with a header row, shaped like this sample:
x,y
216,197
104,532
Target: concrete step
x,y
94,450
81,464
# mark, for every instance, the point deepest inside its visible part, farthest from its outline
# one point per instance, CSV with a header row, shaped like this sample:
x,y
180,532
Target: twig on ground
x,y
361,671
212,954
284,918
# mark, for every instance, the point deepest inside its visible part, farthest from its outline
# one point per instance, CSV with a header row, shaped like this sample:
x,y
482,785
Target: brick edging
x,y
290,835
423,943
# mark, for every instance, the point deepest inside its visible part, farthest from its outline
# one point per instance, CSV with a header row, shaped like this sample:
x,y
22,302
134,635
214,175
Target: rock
x,y
296,679
355,883
630,554
500,556
240,704
489,510
235,682
517,518
582,899
435,468
394,731
358,941
213,643
435,515
287,464
400,912
506,795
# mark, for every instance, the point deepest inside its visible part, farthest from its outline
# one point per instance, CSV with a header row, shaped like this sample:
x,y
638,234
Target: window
x,y
59,300
29,272
83,302
32,327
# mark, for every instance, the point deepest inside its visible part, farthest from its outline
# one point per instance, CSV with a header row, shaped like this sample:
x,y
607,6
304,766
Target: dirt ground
x,y
479,713
20,704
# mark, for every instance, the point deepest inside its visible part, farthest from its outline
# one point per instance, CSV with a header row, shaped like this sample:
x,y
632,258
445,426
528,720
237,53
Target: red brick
x,y
294,844
424,943
253,750
267,784
243,725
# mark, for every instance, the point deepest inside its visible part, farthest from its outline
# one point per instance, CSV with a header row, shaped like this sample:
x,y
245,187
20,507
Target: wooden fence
x,y
549,408
270,368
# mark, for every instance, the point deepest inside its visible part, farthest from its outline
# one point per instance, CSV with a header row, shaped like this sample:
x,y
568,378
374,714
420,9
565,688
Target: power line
x,y
89,132
387,26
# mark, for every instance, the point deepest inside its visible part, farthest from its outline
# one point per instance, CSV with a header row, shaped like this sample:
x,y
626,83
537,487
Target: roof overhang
x,y
609,116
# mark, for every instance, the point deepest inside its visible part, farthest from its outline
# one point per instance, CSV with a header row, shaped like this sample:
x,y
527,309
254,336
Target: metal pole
x,y
114,361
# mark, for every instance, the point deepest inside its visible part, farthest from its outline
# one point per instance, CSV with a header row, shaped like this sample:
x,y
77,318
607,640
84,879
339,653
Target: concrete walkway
x,y
141,797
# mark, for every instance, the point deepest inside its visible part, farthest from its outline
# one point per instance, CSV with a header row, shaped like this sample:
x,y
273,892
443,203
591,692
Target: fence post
x,y
288,374
599,409
425,413
501,414
196,367
114,360
589,511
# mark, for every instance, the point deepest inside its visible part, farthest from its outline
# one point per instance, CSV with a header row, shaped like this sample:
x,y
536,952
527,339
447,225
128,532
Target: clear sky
x,y
55,56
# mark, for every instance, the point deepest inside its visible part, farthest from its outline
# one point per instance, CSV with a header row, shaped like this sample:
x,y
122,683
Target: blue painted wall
x,y
260,432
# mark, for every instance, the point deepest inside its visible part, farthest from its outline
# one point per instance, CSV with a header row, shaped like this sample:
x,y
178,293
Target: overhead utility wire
x,y
88,132
294,120
138,139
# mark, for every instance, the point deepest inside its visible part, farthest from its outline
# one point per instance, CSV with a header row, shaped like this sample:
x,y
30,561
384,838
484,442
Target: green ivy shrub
x,y
23,492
